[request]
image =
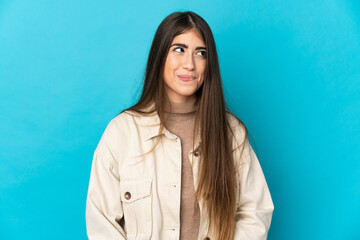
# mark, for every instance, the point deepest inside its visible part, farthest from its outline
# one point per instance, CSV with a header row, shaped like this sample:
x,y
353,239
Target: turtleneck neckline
x,y
180,108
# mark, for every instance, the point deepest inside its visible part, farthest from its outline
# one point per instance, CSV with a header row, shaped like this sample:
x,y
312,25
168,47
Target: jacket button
x,y
127,195
207,238
196,153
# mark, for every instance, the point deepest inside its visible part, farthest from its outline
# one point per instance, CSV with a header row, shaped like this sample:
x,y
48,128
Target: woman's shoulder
x,y
123,120
234,121
237,127
128,120
142,114
120,120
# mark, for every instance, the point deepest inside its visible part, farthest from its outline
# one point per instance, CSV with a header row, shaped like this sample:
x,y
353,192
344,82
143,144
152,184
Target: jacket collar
x,y
152,126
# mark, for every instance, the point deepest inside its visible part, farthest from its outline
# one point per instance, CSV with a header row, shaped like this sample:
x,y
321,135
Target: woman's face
x,y
185,66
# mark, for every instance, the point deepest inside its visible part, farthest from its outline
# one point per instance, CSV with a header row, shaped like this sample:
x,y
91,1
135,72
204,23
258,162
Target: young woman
x,y
178,164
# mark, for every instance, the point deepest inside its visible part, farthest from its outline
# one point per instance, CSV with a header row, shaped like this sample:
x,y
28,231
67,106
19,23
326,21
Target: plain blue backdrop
x,y
291,72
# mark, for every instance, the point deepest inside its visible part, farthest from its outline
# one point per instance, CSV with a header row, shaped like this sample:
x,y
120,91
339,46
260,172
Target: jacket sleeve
x,y
255,206
103,205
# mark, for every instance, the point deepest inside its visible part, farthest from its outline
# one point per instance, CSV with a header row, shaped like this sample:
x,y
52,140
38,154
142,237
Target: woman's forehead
x,y
191,36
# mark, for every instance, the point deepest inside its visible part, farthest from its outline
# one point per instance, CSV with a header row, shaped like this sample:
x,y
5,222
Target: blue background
x,y
291,72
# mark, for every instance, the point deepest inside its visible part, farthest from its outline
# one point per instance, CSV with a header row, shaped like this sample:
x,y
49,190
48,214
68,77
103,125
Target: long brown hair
x,y
217,180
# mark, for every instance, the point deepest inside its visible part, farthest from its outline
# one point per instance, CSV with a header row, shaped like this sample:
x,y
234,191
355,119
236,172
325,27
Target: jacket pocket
x,y
137,206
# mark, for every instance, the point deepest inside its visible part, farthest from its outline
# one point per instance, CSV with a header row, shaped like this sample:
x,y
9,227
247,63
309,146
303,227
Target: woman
x,y
178,164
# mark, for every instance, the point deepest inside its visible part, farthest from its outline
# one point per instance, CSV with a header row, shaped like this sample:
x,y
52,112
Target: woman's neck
x,y
182,107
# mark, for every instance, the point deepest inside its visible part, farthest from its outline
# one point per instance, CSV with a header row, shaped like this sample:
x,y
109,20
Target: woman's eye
x,y
178,49
203,53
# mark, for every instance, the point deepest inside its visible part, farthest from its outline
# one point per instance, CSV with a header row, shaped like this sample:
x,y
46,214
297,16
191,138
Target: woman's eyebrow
x,y
185,46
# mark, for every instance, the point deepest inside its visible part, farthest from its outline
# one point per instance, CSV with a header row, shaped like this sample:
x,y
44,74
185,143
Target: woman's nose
x,y
189,62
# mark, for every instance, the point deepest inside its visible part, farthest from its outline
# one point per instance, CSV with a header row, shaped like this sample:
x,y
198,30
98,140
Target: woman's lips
x,y
186,78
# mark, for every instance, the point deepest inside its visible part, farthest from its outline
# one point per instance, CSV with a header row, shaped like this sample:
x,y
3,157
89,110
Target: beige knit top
x,y
181,123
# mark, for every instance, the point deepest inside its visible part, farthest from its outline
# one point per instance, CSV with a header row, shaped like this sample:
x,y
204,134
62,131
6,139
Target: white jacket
x,y
145,191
